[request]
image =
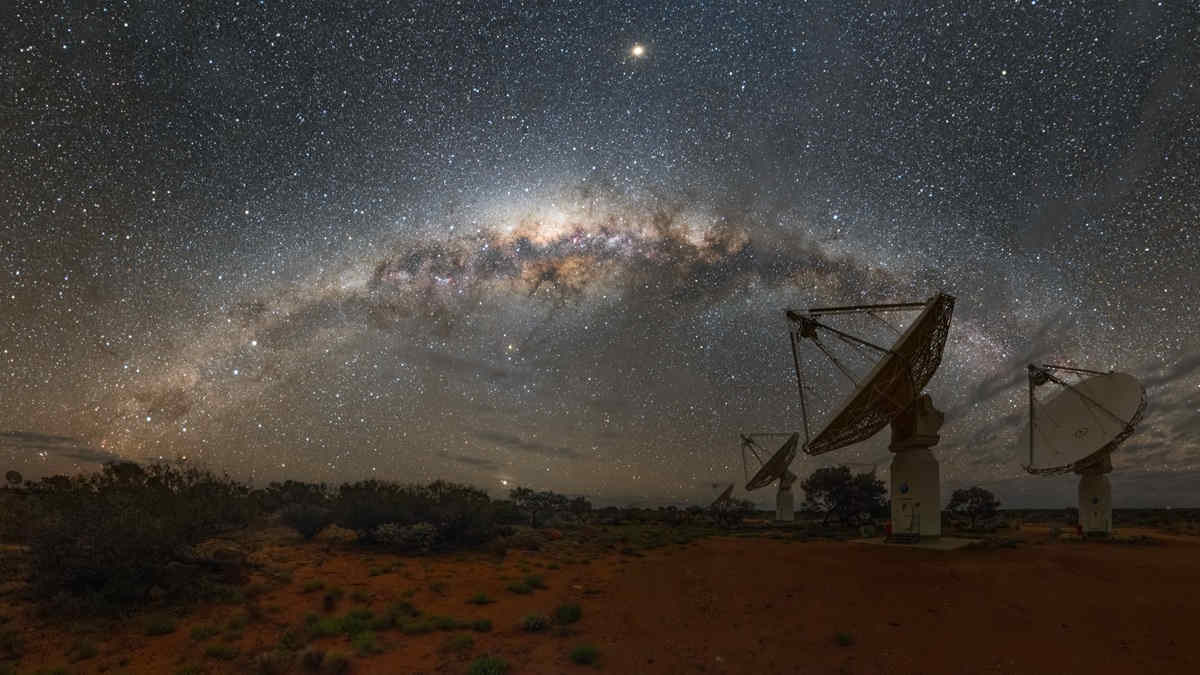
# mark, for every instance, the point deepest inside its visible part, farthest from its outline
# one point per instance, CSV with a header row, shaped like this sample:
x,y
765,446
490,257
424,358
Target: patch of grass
x,y
488,665
438,587
376,571
360,597
843,639
481,625
336,663
202,633
458,644
160,626
221,652
535,581
82,650
417,627
520,588
364,643
274,663
584,655
535,623
568,613
313,586
292,640
238,623
480,599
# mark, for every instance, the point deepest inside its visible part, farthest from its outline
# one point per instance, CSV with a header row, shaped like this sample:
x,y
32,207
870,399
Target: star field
x,y
551,243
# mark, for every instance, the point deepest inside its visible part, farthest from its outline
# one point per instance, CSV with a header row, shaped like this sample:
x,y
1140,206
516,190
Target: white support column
x,y
1095,504
916,478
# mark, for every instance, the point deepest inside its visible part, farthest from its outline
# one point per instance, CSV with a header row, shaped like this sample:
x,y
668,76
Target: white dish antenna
x,y
776,468
1082,423
1077,429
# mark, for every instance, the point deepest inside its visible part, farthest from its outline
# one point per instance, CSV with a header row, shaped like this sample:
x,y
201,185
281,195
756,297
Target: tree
x,y
731,512
13,478
834,491
974,502
536,503
580,507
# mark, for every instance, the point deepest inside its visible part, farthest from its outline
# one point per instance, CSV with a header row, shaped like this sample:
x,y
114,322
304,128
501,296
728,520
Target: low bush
x,y
534,623
307,519
480,599
458,644
584,655
113,534
438,516
488,665
336,663
221,652
568,613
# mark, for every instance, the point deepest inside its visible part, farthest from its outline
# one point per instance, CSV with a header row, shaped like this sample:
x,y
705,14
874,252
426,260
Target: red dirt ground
x,y
734,605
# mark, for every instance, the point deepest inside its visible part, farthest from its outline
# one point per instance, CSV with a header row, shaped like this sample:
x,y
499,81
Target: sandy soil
x,y
725,605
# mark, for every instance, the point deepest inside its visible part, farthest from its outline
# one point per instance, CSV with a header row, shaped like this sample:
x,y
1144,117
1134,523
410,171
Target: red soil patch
x,y
732,605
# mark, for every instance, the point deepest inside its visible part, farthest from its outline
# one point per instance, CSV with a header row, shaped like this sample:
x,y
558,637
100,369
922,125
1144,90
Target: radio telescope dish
x,y
724,497
1078,428
897,379
774,469
891,393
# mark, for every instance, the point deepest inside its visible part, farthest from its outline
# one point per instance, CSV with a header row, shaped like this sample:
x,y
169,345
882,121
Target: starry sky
x,y
550,243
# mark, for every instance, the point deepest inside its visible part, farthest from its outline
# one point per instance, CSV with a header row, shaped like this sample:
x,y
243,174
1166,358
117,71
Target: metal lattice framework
x,y
776,466
1044,374
897,379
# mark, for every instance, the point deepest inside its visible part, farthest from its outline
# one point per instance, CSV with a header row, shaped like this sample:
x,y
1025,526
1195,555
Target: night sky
x,y
550,243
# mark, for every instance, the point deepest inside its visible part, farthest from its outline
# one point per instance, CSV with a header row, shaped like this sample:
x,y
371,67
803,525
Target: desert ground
x,y
763,601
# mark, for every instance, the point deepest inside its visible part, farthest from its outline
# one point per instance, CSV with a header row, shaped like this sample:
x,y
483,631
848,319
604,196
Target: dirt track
x,y
732,605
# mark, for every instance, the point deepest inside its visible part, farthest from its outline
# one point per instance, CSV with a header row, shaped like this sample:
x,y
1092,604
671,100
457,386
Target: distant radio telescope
x,y
1077,429
891,393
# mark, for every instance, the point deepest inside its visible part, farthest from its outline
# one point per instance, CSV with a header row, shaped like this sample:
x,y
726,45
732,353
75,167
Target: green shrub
x,y
336,663
520,588
480,599
568,613
274,662
488,665
82,650
313,586
585,655
364,643
535,581
843,639
458,515
535,623
202,633
221,652
159,626
307,519
112,534
458,644
481,625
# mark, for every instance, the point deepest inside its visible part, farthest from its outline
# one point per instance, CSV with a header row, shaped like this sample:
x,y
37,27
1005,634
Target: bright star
x,y
638,51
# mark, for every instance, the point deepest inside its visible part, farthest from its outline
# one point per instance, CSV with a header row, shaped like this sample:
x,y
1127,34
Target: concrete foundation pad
x,y
938,544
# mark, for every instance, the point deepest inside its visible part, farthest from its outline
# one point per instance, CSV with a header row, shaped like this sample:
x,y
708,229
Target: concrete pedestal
x,y
1095,504
785,504
916,493
916,479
